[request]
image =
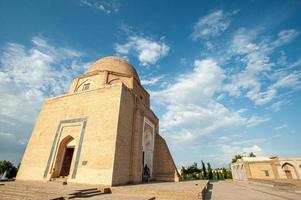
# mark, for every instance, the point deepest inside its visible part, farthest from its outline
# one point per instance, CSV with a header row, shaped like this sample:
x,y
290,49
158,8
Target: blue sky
x,y
224,76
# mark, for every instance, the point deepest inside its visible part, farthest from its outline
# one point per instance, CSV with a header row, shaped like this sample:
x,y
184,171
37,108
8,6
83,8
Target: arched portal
x,y
289,171
64,157
148,149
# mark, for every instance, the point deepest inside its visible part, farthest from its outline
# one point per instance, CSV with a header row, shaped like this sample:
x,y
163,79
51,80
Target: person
x,y
146,173
52,174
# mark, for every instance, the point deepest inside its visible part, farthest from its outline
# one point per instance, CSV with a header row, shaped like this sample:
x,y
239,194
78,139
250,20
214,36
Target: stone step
x,y
85,193
29,192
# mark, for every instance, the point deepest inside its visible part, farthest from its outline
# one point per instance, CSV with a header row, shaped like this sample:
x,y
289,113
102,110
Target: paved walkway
x,y
230,190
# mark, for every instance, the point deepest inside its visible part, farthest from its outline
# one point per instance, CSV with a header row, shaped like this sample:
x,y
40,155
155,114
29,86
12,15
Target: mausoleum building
x,y
102,131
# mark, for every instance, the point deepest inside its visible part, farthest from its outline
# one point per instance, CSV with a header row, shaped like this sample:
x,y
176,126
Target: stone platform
x,y
288,185
186,190
33,190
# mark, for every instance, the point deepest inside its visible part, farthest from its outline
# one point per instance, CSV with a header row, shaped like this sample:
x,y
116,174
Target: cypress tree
x,y
210,174
204,170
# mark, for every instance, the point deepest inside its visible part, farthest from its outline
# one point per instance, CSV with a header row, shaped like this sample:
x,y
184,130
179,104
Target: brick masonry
x,y
103,113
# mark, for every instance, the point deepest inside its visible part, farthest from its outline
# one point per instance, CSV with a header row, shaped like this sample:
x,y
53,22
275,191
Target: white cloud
x,y
29,75
148,51
198,86
151,81
291,80
255,58
107,7
183,61
281,127
191,106
247,141
209,45
285,80
2,134
230,145
199,120
211,25
255,61
255,120
284,37
4,137
297,63
254,149
277,105
228,149
282,60
242,42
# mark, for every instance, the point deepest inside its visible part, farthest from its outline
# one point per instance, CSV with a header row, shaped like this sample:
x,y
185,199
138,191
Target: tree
x,y
193,168
224,173
210,174
191,172
236,157
183,172
4,166
252,154
229,174
204,170
194,171
11,170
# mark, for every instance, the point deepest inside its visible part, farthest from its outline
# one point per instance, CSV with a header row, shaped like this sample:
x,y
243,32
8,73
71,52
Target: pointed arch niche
x,y
289,171
148,139
64,157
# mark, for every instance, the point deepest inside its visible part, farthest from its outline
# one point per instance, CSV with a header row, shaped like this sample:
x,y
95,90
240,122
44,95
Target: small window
x,y
86,86
266,172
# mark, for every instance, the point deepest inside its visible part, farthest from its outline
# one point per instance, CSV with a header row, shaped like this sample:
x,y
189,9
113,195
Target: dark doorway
x,y
288,174
67,161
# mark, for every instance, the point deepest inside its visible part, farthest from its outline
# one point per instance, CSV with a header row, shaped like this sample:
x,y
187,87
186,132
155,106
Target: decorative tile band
x,y
54,143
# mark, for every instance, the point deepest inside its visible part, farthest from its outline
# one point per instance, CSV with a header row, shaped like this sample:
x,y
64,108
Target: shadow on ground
x,y
83,194
208,195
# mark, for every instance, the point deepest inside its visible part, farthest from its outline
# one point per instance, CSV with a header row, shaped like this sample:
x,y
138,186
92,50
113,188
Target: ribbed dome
x,y
114,64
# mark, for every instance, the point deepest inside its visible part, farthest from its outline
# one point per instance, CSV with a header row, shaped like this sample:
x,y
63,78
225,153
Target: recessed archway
x,y
289,171
64,157
148,149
